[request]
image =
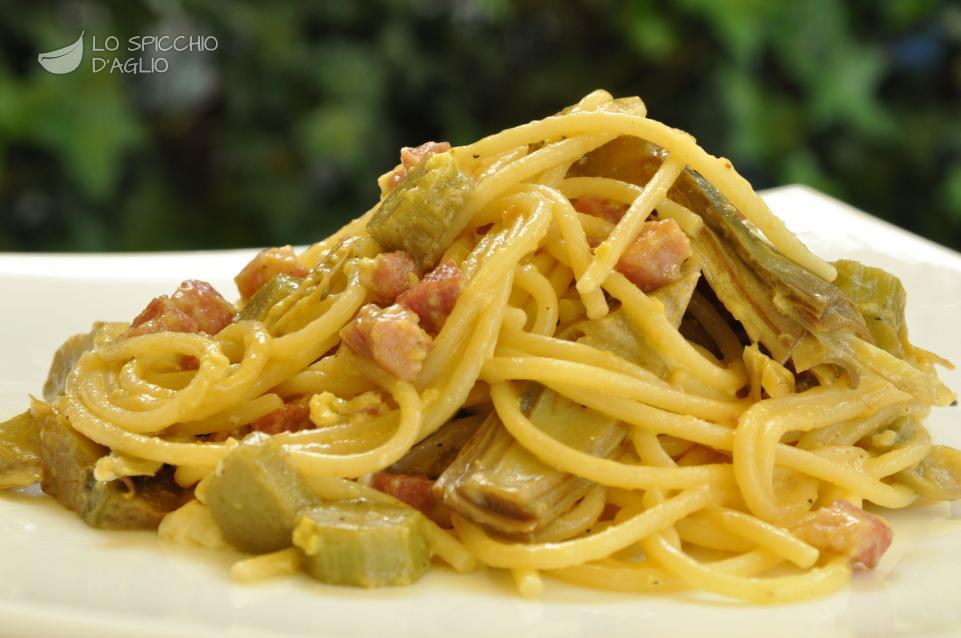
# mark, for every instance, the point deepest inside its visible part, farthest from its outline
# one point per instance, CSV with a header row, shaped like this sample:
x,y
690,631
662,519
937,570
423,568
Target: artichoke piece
x,y
256,495
431,456
937,477
298,308
628,159
268,296
363,544
64,359
112,505
616,334
880,297
747,297
676,296
496,482
69,353
817,305
68,462
421,214
19,451
775,299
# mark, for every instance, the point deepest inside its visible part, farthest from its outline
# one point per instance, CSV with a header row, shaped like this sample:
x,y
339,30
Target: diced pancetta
x,y
267,264
434,296
413,489
600,207
194,307
160,315
655,257
390,275
201,301
848,530
391,337
292,417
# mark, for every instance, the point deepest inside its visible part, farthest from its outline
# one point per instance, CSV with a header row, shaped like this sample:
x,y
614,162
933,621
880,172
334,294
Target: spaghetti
x,y
680,395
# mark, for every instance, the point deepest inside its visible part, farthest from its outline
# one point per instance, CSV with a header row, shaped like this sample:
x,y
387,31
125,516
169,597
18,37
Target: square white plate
x,y
61,578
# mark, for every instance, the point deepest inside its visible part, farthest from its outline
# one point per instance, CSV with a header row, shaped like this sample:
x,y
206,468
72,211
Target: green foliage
x,y
278,136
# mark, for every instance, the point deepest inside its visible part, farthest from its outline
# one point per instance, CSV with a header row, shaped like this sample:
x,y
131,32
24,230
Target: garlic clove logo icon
x,y
63,60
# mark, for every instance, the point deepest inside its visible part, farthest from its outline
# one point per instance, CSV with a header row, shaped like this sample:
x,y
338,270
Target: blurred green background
x,y
279,135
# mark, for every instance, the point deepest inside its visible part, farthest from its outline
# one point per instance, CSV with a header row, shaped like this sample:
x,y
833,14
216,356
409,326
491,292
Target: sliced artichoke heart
x,y
421,215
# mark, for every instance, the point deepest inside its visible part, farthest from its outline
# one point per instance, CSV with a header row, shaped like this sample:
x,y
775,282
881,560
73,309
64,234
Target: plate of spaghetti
x,y
573,378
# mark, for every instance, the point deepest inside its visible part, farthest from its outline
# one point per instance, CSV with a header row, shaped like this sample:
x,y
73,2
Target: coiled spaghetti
x,y
727,452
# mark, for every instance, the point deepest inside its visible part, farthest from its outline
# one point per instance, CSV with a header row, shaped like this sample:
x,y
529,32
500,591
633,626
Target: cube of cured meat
x,y
655,257
194,307
848,530
391,337
390,275
600,207
266,265
414,489
434,297
292,417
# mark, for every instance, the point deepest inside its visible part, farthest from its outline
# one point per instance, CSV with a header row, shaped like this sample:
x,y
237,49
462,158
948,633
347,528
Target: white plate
x,y
58,577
